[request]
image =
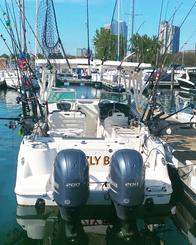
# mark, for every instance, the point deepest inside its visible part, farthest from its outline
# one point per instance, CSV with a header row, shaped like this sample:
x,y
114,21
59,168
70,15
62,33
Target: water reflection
x,y
47,227
186,222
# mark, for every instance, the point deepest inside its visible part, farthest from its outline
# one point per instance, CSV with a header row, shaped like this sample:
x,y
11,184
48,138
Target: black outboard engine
x,y
71,189
127,180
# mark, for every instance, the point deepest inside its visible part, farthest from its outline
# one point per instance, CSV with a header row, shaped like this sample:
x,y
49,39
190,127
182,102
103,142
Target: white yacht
x,y
187,81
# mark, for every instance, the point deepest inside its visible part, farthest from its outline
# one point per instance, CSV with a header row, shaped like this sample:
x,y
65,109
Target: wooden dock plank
x,y
182,139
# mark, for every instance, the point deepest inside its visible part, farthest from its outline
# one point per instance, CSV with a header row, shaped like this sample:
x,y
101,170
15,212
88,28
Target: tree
x,y
40,56
55,56
4,56
145,48
106,44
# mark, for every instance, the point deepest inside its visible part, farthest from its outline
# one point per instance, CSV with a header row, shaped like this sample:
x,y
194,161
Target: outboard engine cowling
x,y
127,180
71,178
71,189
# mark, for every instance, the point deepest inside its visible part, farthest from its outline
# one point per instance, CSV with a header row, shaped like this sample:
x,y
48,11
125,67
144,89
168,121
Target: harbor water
x,y
178,228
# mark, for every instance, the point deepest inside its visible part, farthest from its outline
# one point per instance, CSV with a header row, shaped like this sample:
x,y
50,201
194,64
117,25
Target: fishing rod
x,y
32,92
46,57
176,56
152,101
15,46
170,115
10,32
23,90
10,118
109,39
88,41
166,47
166,9
4,40
15,53
182,23
8,14
9,27
171,20
25,106
14,20
59,39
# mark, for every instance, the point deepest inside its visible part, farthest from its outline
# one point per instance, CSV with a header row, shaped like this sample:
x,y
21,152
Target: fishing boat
x,y
92,155
88,157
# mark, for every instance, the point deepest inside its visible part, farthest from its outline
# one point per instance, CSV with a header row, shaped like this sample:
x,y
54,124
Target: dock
x,y
182,139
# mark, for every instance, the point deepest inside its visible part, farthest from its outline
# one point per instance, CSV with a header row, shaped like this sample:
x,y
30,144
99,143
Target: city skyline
x,y
71,18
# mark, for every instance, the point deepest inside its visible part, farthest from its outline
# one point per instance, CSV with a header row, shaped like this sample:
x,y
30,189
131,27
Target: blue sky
x,y
71,18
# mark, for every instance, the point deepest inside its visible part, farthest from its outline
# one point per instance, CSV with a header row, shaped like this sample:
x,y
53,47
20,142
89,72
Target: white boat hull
x,y
34,175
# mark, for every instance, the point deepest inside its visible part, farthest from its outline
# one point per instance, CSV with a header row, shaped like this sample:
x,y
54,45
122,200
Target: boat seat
x,y
117,119
67,122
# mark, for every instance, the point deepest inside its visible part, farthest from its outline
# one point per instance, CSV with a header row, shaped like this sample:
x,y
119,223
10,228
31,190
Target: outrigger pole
x,y
88,41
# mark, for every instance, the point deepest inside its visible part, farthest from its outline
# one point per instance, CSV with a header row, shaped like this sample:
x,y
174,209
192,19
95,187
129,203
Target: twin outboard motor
x,y
127,181
71,188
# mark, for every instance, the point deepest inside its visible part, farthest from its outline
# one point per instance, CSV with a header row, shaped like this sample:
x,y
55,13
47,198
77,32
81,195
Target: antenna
x,y
118,50
88,48
24,45
157,56
133,18
36,27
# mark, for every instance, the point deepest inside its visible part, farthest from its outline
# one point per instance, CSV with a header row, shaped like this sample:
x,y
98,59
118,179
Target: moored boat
x,y
187,81
93,154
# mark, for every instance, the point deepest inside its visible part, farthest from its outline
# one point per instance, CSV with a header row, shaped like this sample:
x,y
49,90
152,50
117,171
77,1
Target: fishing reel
x,y
12,125
18,100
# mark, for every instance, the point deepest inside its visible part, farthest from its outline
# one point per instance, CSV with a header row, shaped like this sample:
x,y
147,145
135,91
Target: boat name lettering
x,y
96,160
131,184
72,185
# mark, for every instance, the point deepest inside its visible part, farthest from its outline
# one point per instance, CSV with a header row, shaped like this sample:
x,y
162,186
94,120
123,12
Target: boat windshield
x,y
115,97
59,96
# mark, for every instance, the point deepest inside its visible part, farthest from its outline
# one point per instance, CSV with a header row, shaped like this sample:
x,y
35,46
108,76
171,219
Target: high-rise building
x,y
170,38
114,28
123,30
119,28
81,52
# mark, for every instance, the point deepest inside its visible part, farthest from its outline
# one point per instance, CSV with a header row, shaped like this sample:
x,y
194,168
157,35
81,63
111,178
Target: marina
x,y
14,217
98,146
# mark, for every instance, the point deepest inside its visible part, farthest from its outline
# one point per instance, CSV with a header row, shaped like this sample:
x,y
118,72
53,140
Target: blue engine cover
x,y
71,178
127,178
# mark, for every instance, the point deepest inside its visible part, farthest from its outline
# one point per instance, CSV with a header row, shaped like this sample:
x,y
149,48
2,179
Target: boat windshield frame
x,y
115,97
56,96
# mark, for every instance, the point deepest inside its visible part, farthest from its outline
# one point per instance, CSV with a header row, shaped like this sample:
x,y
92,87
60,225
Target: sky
x,y
71,19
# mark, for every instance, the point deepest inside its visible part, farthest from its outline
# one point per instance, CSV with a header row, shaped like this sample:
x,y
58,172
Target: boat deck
x,y
183,140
